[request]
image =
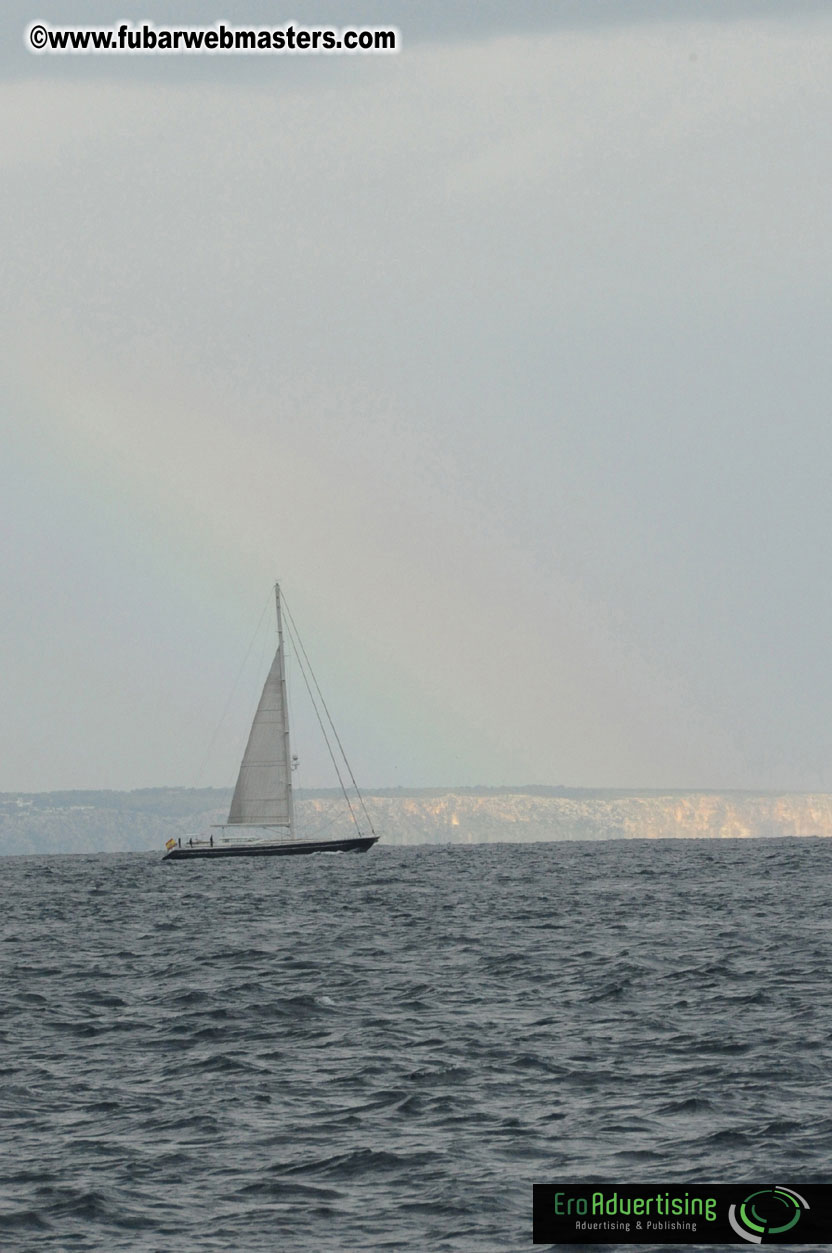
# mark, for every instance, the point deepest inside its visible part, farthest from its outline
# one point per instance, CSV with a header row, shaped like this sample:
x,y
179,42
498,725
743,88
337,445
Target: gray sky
x,y
508,354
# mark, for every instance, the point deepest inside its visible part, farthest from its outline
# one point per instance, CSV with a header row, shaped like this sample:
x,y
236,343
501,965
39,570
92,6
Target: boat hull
x,y
285,849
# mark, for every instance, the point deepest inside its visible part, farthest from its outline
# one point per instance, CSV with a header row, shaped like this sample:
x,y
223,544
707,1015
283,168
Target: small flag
x,y
170,844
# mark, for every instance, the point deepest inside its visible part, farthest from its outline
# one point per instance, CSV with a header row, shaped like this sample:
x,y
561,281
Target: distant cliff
x,y
81,822
509,816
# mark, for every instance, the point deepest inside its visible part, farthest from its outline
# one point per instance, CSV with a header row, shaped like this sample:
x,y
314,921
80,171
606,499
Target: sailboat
x,y
261,821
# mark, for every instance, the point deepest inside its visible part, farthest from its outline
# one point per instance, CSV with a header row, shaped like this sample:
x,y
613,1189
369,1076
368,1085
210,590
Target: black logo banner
x,y
682,1213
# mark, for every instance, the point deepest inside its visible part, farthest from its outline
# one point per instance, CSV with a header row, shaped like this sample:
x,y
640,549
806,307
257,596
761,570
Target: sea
x,y
386,1051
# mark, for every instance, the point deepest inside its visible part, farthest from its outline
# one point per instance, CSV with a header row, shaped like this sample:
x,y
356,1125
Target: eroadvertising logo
x,y
764,1216
672,1213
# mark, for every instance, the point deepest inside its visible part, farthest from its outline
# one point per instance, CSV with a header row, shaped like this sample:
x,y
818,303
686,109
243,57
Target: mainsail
x,y
263,794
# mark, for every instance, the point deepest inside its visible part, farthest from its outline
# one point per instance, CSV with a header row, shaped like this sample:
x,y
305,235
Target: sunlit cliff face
x,y
118,821
520,817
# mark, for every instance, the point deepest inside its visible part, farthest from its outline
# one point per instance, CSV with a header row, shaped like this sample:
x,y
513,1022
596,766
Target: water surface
x,y
386,1051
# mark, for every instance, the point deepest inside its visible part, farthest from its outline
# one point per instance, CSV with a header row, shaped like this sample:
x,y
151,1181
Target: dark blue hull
x,y
358,845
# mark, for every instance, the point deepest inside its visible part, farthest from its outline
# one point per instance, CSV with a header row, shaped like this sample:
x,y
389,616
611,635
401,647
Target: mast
x,y
285,703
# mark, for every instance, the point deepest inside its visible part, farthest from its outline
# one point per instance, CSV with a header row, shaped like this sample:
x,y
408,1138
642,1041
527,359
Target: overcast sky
x,y
508,354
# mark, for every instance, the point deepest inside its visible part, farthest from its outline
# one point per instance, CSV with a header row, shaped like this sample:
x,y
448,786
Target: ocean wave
x,y
387,1052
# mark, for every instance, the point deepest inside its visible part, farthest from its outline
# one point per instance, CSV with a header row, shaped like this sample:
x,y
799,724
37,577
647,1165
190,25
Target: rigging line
x,y
299,645
233,691
329,716
289,689
295,640
294,765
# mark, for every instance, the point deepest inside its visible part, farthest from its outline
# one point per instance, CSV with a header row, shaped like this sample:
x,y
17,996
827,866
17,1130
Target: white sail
x,y
263,794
